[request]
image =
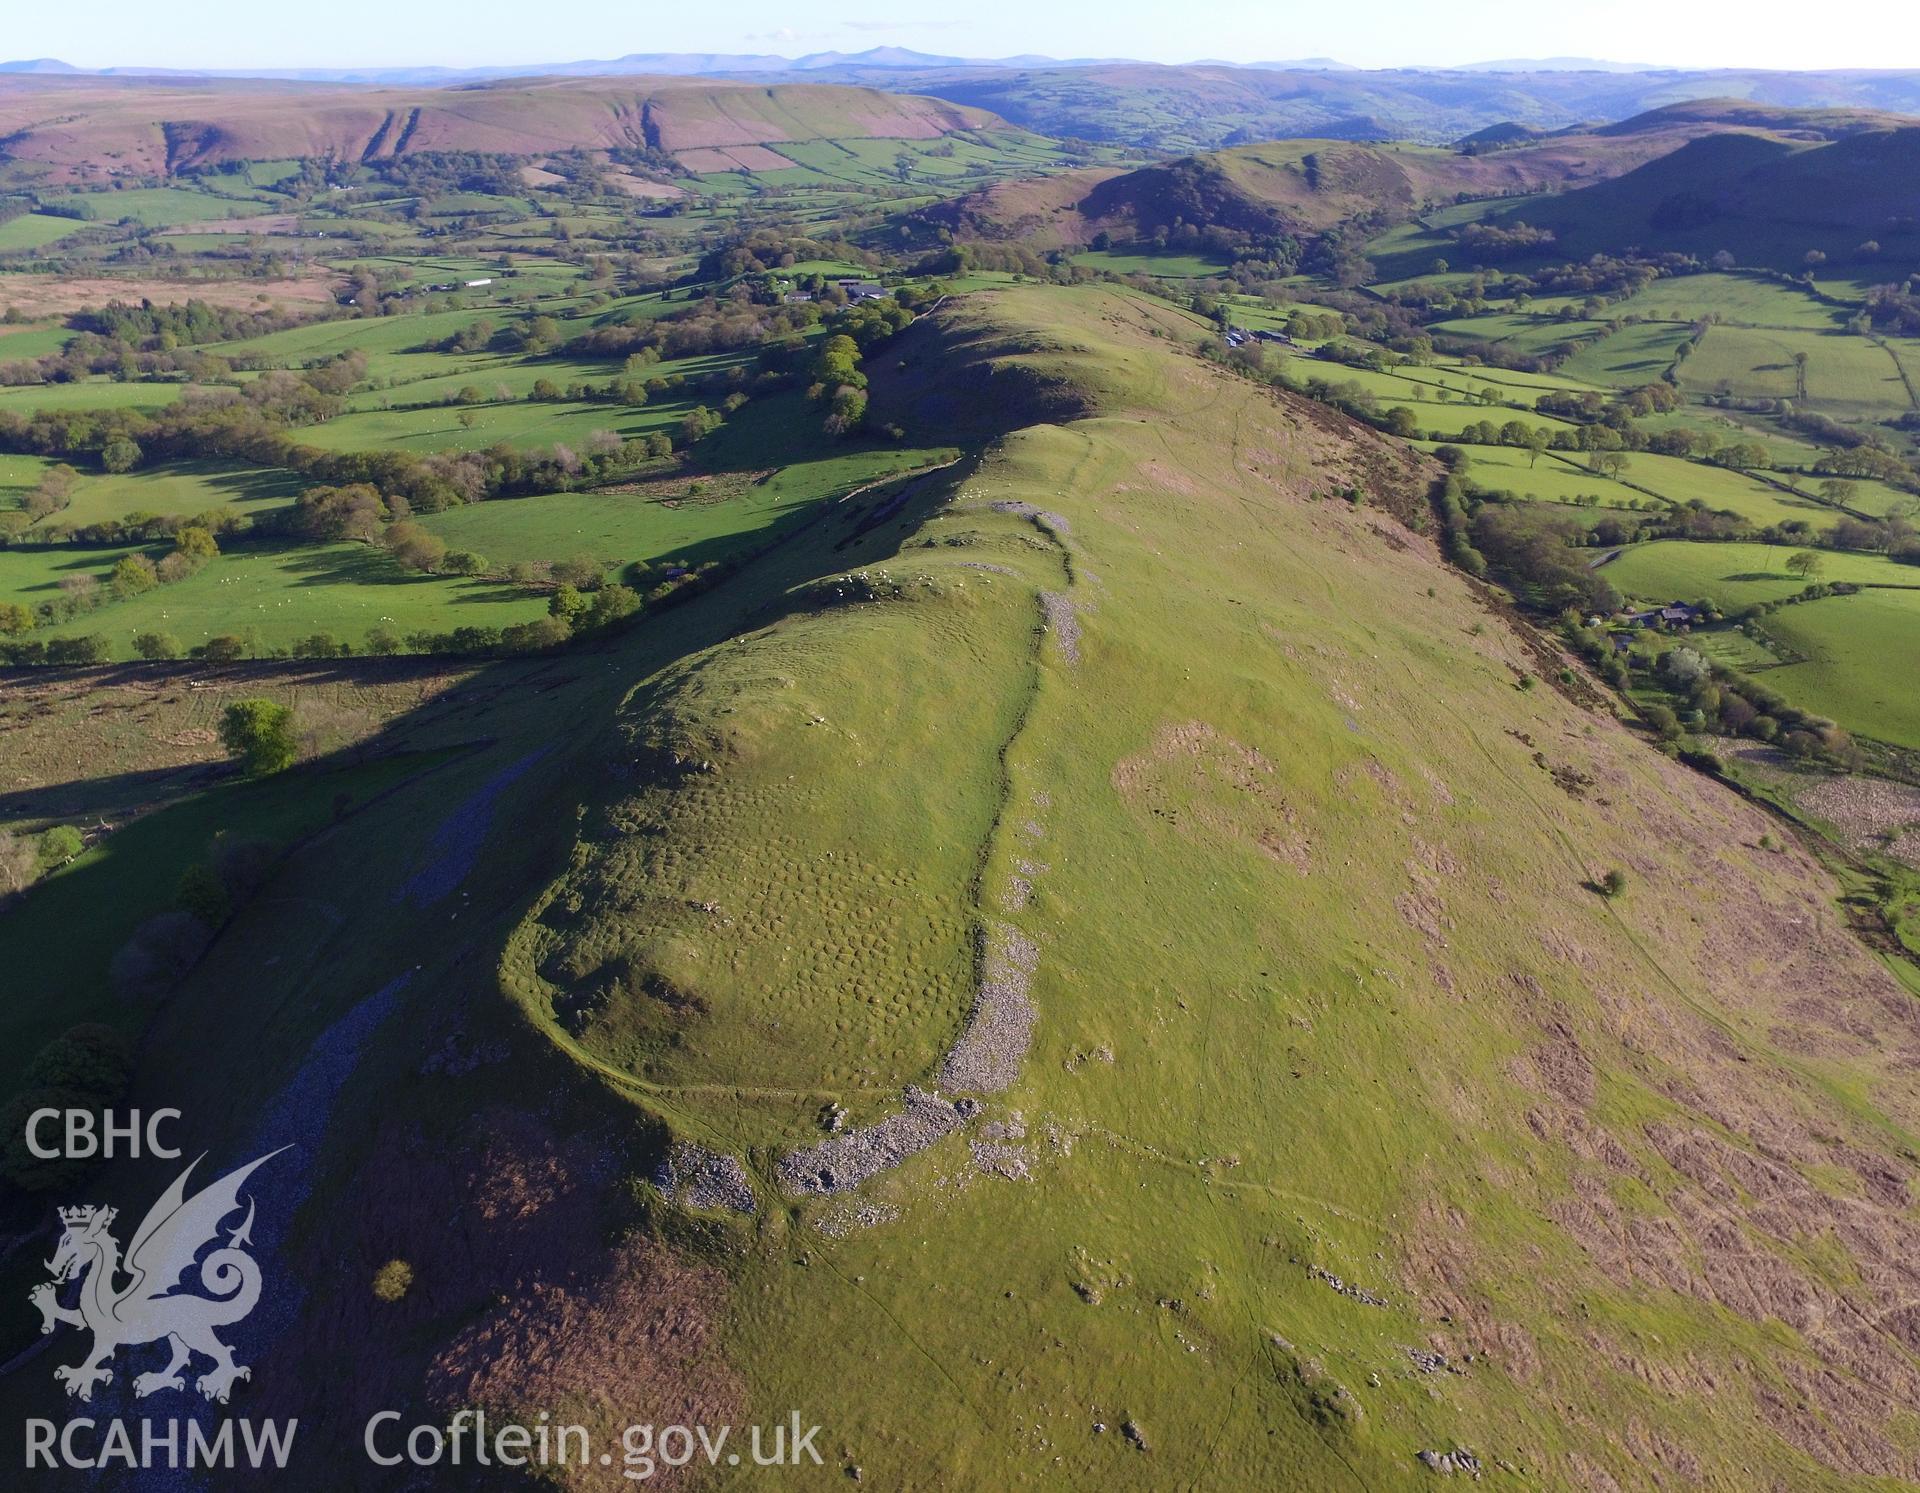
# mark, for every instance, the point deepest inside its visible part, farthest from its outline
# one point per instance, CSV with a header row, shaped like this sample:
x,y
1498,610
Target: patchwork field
x,y
1737,300
1736,575
1847,375
271,596
1627,358
187,489
1848,642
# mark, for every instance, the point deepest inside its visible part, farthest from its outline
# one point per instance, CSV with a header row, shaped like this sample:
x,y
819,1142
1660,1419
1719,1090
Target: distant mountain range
x,y
652,64
727,64
1140,105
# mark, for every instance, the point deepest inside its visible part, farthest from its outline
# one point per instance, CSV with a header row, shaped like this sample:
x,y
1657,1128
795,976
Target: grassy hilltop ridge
x,y
1097,820
1327,1115
1338,1070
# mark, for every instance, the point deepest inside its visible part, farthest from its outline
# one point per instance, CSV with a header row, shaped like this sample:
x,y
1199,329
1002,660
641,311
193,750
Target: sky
x,y
1379,33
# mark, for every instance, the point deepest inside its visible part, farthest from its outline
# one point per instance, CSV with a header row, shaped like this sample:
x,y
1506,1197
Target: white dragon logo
x,y
145,1310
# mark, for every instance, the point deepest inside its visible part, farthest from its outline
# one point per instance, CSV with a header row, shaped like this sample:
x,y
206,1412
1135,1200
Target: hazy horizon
x,y
358,34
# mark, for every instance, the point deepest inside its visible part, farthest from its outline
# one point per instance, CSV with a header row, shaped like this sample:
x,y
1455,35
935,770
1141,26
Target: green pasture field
x,y
1846,376
270,173
169,207
1548,480
833,269
1518,331
183,488
1446,420
1737,574
1405,240
37,230
1681,481
1861,652
839,163
1419,384
1455,280
19,475
1740,361
348,227
31,341
1257,314
1726,429
517,375
519,422
281,594
1905,353
399,349
412,270
1160,266
1733,648
1629,357
1738,300
1858,379
1843,286
1455,214
316,341
275,594
692,529
1875,498
1505,383
89,394
462,204
830,166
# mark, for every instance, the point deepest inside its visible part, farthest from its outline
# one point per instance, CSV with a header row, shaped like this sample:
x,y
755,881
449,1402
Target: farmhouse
x,y
1680,614
862,290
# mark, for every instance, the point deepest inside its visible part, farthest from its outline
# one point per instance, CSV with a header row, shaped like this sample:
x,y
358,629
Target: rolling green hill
x,y
1627,170
1095,947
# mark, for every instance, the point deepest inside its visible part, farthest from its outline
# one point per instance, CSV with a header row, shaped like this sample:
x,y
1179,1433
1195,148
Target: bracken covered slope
x,y
1119,966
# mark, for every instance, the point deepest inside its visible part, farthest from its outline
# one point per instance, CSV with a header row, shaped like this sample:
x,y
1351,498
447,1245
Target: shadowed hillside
x,y
1766,198
1306,186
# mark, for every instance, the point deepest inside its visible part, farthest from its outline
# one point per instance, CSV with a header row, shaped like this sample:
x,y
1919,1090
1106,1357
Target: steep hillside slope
x,y
1309,185
1766,197
1084,959
102,126
1747,114
1129,941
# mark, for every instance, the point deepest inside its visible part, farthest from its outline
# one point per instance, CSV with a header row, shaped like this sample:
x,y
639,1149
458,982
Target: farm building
x,y
1680,614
